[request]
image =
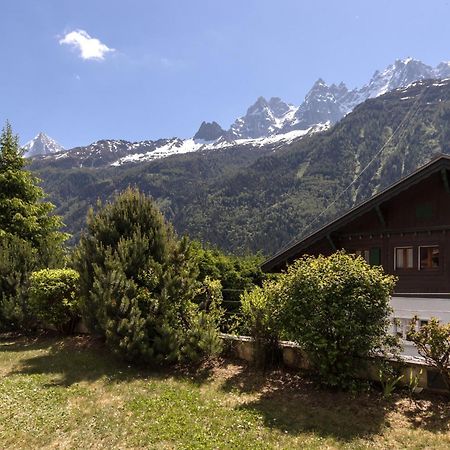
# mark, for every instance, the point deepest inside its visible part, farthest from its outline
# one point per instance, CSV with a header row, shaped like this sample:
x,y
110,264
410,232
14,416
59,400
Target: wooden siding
x,y
418,216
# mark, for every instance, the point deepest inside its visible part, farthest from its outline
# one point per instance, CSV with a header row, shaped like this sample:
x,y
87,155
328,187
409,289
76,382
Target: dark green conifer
x,y
29,233
138,281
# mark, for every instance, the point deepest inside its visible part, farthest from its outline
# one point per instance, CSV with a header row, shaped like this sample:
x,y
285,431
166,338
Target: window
x,y
429,257
424,211
365,254
403,258
375,256
422,323
372,256
401,327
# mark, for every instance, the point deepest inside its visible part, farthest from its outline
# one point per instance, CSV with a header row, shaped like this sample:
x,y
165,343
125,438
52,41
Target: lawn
x,y
71,393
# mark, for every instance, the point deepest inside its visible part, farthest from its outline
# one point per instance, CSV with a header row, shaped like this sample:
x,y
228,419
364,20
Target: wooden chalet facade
x,y
406,229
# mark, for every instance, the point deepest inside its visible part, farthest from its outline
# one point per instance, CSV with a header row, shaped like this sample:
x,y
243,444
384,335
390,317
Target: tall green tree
x,y
23,211
138,281
30,236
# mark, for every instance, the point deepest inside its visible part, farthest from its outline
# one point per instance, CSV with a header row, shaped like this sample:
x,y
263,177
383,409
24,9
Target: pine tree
x,y
138,281
29,233
23,213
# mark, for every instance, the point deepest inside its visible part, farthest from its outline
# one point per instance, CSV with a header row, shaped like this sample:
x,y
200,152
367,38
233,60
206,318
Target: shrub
x,y
433,343
259,319
53,298
337,309
236,274
138,281
203,338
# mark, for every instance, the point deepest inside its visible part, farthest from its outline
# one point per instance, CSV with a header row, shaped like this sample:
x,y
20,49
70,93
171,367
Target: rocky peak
x,y
278,107
42,145
209,131
443,69
261,106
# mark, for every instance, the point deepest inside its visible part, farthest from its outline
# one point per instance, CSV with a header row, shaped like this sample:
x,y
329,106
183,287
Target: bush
x,y
203,338
433,343
235,273
259,319
53,298
138,281
337,309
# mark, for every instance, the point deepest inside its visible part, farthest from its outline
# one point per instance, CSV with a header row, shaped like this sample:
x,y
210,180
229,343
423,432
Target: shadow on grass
x,y
75,359
430,412
293,404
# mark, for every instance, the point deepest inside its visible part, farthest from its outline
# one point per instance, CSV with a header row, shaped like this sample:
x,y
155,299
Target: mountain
x,y
329,103
42,145
263,193
262,119
117,153
209,131
272,121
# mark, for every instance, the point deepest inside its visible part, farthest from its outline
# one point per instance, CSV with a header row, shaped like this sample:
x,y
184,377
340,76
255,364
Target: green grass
x,y
71,393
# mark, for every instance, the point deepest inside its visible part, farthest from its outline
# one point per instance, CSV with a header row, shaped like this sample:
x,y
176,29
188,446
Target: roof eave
x,y
443,161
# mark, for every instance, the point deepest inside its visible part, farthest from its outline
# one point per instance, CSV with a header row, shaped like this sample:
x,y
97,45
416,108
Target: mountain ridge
x,y
323,104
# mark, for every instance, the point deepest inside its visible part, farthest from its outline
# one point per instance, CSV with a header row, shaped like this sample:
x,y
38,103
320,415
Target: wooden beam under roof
x,y
380,216
445,180
330,240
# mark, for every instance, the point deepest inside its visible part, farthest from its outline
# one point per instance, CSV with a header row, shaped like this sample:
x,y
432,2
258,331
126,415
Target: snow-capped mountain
x,y
117,153
42,145
329,103
272,122
400,74
263,118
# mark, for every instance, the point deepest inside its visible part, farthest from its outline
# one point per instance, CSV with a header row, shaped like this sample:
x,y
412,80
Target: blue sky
x,y
158,68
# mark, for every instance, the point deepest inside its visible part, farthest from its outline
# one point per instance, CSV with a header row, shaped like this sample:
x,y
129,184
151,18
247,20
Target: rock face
x,y
267,121
322,104
209,131
42,145
262,119
329,103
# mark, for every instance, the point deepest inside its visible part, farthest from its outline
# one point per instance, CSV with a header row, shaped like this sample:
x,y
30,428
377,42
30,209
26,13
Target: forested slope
x,y
258,199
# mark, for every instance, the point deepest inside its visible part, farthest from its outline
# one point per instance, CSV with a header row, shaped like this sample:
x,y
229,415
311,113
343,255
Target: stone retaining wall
x,y
243,347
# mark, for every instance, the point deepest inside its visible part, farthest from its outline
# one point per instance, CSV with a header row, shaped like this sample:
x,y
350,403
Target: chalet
x,y
406,229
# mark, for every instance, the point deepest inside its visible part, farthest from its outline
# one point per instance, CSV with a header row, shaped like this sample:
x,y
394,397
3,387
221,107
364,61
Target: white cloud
x,y
89,47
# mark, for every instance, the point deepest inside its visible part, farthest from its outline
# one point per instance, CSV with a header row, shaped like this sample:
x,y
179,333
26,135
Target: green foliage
x,y
235,273
433,343
389,378
127,238
29,233
18,259
337,309
203,338
413,381
23,213
53,298
138,281
259,318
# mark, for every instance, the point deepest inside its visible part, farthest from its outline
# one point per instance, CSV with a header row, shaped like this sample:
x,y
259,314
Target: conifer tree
x,y
29,233
138,281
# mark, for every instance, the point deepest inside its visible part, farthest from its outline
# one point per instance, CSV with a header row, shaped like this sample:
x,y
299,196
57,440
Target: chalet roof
x,y
440,162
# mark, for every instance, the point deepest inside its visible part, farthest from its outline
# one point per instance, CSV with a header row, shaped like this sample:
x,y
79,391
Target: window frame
x,y
428,269
403,247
